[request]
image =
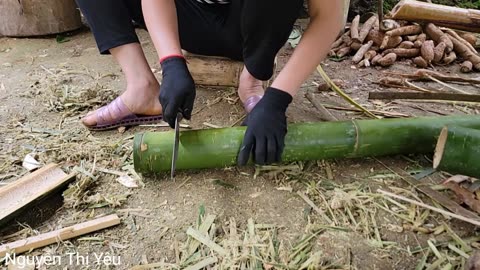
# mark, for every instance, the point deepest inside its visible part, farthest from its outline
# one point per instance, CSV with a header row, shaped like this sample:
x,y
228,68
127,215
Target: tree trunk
x,y
20,18
217,148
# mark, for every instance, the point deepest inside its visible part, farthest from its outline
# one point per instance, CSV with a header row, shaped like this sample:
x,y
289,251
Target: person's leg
x,y
262,28
111,24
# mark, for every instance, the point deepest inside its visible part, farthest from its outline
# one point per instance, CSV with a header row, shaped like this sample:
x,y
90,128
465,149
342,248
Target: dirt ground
x,y
46,86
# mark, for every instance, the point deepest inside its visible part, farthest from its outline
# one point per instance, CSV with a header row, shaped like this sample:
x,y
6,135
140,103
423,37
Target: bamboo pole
x,y
453,17
217,148
458,151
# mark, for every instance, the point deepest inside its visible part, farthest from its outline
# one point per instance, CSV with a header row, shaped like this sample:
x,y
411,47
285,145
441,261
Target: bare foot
x,y
249,86
140,98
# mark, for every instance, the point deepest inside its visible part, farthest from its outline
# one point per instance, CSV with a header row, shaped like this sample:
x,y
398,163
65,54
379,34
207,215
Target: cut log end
x,y
440,148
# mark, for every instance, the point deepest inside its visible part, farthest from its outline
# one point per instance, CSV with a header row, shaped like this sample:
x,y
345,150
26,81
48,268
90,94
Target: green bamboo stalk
x,y
458,151
217,148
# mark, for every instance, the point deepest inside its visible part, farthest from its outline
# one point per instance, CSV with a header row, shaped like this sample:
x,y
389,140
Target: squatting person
x,y
252,31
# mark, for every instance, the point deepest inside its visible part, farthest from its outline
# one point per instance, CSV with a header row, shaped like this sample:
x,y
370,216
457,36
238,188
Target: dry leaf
x,y
457,179
30,163
127,181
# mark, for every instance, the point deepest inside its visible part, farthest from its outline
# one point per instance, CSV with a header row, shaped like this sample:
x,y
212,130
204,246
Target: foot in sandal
x,y
138,105
250,90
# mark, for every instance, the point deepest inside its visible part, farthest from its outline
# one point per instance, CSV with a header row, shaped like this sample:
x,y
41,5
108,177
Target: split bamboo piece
x,y
458,151
49,238
216,148
21,193
453,17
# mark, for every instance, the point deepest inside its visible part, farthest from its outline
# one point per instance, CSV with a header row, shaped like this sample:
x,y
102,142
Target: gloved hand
x,y
266,129
177,91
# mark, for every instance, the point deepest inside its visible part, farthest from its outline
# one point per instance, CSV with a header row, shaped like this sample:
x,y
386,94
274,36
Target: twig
x,y
441,211
428,96
324,113
384,113
407,82
312,204
434,195
446,85
342,94
239,120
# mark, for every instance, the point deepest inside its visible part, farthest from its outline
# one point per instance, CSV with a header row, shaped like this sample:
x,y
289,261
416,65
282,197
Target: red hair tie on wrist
x,y
171,56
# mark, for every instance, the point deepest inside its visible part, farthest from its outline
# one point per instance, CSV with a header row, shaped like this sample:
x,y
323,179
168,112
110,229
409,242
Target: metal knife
x,y
175,145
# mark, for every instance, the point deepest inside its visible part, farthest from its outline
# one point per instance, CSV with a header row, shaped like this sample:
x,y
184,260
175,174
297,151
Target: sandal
x,y
117,114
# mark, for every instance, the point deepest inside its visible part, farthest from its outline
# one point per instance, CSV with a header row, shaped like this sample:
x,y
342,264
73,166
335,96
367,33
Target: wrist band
x,y
171,56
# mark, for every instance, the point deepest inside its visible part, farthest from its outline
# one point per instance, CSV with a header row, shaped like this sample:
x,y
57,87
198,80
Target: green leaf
x,y
62,39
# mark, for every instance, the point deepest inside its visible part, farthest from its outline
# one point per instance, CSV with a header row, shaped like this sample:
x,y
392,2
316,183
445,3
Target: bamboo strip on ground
x,y
46,239
32,187
424,96
436,196
217,148
325,114
458,151
438,210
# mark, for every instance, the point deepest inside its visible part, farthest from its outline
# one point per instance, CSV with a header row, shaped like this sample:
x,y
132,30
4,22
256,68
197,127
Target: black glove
x,y
266,129
177,91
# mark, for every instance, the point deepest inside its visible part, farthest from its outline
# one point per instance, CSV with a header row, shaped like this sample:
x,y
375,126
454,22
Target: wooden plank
x,y
30,188
49,238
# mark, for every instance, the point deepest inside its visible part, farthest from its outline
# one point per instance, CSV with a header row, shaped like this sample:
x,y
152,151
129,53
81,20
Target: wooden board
x,y
21,18
46,239
30,188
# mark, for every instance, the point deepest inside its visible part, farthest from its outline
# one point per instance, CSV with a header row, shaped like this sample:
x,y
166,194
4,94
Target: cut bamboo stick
x,y
21,193
49,238
425,96
458,151
216,148
438,210
453,17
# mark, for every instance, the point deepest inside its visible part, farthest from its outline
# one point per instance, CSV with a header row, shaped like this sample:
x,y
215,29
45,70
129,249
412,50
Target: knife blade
x,y
175,145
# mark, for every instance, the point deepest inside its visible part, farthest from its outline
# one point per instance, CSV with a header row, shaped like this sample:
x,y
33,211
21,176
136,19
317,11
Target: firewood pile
x,y
424,44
